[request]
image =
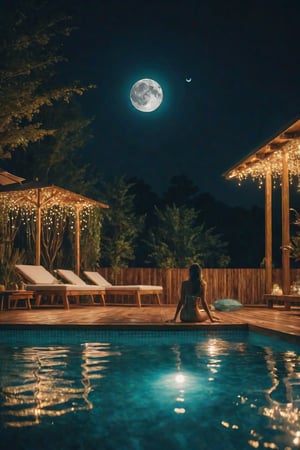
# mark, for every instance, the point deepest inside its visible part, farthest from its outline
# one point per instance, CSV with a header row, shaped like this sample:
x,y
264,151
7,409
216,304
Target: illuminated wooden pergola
x,y
9,178
275,162
36,198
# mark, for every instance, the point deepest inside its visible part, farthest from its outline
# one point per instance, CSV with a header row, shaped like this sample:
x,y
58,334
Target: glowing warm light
x,y
225,424
179,410
296,440
180,378
55,203
256,168
254,444
53,209
51,393
243,399
212,347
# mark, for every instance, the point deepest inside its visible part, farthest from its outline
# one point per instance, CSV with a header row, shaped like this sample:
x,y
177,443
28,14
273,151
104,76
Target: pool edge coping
x,y
178,327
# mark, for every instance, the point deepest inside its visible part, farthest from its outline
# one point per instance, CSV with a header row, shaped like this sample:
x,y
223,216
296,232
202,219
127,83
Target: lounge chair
x,y
134,290
43,283
137,290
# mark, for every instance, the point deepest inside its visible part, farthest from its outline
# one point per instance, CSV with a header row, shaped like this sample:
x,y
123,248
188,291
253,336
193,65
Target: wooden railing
x,y
245,285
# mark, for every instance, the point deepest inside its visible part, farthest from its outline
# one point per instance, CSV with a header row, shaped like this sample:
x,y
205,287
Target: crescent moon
x,y
188,80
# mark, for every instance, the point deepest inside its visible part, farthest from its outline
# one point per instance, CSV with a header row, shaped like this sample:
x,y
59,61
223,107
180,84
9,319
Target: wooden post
x,y
38,230
268,232
285,211
77,241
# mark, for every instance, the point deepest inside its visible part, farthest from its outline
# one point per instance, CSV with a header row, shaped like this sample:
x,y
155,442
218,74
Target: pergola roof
x,y
34,194
268,156
36,198
277,159
9,178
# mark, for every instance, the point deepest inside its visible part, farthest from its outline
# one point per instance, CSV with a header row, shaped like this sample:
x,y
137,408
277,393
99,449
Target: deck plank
x,y
275,319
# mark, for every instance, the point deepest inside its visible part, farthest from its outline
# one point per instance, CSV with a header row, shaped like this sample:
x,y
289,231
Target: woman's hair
x,y
196,279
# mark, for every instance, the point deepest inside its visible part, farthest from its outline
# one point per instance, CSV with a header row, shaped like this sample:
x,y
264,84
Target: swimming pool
x,y
70,389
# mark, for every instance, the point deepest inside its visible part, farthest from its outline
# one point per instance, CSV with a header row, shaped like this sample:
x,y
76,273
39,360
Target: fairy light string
x,y
257,168
59,208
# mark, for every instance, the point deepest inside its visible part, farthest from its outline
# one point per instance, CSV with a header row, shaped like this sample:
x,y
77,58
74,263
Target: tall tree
x,y
178,240
121,226
31,36
58,159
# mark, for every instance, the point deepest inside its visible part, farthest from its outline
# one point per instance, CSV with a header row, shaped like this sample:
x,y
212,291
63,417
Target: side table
x,y
9,299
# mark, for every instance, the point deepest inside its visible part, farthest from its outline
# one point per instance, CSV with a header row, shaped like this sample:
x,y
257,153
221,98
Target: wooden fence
x,y
245,285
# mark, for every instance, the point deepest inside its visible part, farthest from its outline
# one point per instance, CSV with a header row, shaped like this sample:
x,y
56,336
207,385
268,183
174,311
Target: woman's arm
x,y
180,303
204,303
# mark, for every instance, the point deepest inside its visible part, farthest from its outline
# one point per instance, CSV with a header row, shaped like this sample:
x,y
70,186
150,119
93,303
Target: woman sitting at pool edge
x,y
193,293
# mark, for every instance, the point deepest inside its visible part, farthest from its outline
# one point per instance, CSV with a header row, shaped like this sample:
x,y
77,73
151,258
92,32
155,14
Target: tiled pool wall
x,y
66,336
41,335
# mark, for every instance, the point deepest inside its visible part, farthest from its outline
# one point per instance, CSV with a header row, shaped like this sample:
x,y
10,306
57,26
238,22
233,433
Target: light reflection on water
x,y
42,382
247,394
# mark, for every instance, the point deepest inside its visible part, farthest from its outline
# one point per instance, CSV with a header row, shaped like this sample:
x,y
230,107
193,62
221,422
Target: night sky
x,y
244,61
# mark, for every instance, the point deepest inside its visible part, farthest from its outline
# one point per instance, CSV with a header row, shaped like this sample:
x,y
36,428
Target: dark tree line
x,y
241,228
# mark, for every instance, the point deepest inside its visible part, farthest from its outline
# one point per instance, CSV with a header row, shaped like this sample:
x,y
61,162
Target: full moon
x,y
146,95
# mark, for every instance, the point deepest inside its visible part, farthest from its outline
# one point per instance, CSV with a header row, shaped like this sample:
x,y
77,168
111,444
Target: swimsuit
x,y
190,311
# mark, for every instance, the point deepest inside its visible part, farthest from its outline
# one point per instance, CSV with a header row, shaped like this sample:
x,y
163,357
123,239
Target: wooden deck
x,y
276,321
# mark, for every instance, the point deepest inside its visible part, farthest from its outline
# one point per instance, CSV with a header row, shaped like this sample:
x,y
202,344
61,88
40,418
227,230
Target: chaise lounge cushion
x,y
99,280
36,274
70,277
41,279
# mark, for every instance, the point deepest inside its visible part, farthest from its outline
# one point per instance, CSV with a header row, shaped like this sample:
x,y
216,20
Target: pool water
x,y
148,390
